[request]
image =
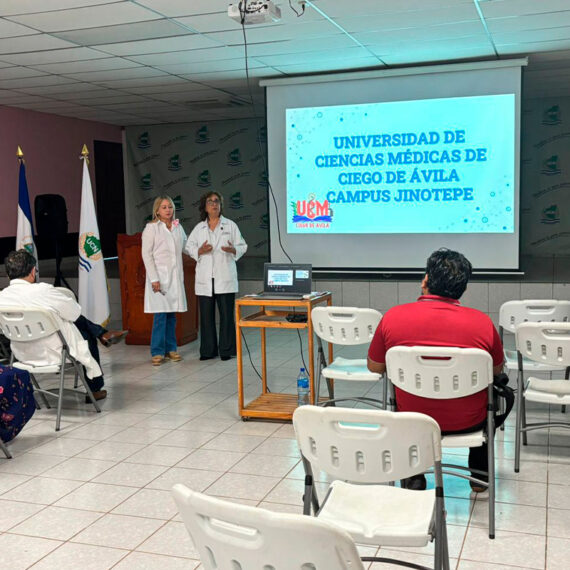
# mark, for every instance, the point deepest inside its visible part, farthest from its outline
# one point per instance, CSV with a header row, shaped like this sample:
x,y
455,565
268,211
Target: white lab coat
x,y
217,264
162,257
66,310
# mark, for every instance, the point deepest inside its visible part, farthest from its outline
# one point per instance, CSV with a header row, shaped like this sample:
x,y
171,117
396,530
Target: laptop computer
x,y
286,280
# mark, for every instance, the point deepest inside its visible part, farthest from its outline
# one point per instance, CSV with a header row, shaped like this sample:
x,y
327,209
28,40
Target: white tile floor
x,y
98,491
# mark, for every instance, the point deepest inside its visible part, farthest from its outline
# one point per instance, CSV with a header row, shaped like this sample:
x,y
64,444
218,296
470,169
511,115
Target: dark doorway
x,y
110,189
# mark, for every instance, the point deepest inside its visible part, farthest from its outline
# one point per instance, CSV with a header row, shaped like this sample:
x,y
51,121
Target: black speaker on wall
x,y
51,215
51,225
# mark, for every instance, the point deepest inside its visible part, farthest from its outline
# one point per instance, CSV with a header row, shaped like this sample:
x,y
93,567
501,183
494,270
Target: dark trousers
x,y
478,458
91,332
209,344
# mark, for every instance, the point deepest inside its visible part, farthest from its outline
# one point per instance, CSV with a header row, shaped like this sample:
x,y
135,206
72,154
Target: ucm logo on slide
x,y
312,213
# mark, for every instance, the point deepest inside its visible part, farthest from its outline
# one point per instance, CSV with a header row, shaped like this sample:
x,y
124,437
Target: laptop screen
x,y
287,278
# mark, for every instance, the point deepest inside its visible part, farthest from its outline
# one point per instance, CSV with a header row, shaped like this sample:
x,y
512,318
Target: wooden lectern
x,y
133,275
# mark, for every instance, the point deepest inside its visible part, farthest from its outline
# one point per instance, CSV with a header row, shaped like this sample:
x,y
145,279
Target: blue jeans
x,y
163,339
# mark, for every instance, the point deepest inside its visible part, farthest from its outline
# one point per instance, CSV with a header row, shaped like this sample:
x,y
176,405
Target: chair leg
x,y
520,397
491,481
523,418
40,394
79,371
445,546
60,396
4,448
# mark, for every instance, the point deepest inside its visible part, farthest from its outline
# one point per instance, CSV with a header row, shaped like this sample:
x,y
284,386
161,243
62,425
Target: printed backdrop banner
x,y
188,159
545,178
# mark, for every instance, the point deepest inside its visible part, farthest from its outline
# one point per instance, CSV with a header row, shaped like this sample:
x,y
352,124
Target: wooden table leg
x,y
263,361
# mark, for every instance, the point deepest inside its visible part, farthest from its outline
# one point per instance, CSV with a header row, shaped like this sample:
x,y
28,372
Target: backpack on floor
x,y
17,404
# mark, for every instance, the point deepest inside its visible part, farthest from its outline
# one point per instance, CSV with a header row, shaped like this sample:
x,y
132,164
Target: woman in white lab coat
x,y
216,244
163,241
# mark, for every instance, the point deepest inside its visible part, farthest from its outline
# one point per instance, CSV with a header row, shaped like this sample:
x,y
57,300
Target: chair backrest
x,y
439,372
367,446
512,313
548,343
229,536
26,324
345,325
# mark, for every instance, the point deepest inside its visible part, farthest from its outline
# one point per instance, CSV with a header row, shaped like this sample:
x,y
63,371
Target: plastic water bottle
x,y
302,388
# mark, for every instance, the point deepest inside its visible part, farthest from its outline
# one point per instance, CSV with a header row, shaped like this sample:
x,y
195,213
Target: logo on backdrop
x,y
234,157
144,141
174,163
551,116
89,250
204,180
262,134
550,215
178,203
146,182
312,213
236,201
202,135
550,166
264,222
262,179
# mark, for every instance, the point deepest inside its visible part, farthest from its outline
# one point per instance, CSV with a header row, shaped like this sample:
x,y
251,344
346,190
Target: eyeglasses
x,y
212,202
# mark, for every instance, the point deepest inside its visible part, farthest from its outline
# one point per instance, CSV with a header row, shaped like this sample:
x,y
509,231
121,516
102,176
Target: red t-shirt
x,y
439,321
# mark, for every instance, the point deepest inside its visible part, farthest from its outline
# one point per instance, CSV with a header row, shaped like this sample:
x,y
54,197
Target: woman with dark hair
x,y
216,244
162,242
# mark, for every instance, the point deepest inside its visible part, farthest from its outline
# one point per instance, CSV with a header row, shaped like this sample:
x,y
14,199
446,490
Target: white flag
x,y
24,231
93,292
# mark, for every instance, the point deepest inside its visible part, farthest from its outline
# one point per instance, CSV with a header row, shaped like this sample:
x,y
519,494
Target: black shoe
x,y
478,487
206,357
99,395
226,357
414,483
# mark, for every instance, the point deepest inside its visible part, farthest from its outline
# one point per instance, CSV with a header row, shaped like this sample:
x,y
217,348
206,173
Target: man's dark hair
x,y
19,264
448,273
202,206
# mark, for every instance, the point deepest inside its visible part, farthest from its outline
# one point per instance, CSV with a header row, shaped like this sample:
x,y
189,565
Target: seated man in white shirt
x,y
80,333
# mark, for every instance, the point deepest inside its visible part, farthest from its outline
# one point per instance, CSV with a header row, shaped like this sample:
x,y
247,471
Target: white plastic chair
x,y
442,373
548,344
229,536
27,324
345,326
360,450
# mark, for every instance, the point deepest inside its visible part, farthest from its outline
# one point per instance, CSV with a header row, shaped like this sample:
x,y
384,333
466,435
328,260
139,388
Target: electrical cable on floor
x,y
250,359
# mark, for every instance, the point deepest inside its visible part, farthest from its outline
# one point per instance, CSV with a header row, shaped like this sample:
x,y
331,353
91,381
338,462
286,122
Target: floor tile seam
x,y
115,463
493,564
162,521
142,552
35,474
67,542
28,517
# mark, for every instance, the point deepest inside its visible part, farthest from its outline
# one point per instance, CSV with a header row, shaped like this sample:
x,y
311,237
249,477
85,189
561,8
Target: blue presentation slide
x,y
427,166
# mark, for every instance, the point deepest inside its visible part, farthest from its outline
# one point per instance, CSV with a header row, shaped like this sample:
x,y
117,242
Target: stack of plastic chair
x,y
548,344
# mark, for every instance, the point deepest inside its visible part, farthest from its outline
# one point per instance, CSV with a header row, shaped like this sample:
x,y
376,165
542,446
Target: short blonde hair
x,y
156,205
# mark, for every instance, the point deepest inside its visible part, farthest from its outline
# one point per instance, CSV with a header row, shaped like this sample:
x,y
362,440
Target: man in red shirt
x,y
438,319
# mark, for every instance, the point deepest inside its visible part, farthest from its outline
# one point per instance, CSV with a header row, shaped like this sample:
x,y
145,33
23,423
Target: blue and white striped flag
x,y
25,229
93,292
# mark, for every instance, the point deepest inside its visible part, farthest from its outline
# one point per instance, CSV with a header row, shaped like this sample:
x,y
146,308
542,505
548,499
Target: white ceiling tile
x,y
323,55
334,8
86,17
18,72
78,95
163,81
502,8
37,42
533,36
193,41
173,87
533,22
302,45
40,82
436,55
206,66
326,65
13,7
175,8
236,74
188,56
532,47
141,72
102,64
53,56
8,97
123,33
10,29
55,90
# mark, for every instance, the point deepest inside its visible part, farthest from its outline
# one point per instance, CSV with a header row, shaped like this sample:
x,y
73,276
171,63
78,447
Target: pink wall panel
x,y
52,147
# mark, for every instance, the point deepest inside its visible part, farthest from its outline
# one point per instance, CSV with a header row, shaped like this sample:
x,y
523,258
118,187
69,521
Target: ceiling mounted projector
x,y
254,12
